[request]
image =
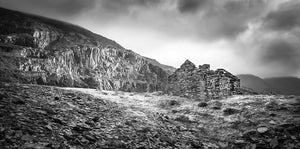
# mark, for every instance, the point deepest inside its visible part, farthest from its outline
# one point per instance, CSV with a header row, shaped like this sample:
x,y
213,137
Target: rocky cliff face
x,y
39,50
202,82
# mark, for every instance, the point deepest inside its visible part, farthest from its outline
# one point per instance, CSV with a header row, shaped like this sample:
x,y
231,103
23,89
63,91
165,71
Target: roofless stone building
x,y
201,82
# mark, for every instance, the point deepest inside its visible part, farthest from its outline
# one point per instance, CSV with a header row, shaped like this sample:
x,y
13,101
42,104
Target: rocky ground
x,y
34,116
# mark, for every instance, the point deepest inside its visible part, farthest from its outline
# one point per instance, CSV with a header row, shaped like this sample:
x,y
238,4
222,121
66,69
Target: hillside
x,y
285,85
255,84
40,50
279,85
168,69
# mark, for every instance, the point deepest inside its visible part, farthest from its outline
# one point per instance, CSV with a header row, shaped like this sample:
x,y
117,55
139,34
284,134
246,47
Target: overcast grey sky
x,y
261,37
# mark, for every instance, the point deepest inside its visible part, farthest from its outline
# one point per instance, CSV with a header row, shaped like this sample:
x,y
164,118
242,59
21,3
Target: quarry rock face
x,y
202,82
39,50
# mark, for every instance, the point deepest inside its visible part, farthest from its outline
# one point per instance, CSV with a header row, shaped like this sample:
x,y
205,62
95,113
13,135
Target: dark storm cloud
x,y
239,7
60,7
192,5
204,19
281,48
226,19
282,52
124,5
208,20
286,17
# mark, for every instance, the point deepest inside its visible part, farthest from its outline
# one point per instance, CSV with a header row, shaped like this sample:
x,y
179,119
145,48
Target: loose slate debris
x,y
77,120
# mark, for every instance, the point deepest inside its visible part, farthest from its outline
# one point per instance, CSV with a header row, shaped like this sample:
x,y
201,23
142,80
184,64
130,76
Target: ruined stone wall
x,y
201,82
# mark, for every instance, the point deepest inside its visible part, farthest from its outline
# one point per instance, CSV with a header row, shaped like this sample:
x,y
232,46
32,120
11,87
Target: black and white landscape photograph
x,y
149,74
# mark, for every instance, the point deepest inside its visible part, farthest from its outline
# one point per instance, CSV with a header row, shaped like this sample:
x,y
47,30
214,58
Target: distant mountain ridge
x,y
285,85
278,85
35,49
255,84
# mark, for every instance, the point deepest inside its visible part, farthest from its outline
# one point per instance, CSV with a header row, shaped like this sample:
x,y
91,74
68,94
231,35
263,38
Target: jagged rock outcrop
x,y
202,82
35,49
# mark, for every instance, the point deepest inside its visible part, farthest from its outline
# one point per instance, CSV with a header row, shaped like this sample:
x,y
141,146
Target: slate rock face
x,y
202,82
35,49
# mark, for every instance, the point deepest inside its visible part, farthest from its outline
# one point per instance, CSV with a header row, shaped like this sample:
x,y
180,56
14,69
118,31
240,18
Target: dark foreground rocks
x,y
35,117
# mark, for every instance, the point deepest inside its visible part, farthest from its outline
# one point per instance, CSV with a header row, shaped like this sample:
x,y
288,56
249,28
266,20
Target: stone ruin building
x,y
202,83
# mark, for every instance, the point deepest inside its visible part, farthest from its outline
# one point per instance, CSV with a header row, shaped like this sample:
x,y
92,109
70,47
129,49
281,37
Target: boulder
x,y
230,111
202,104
